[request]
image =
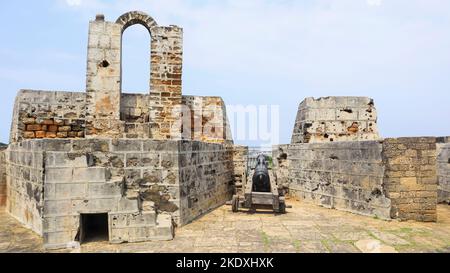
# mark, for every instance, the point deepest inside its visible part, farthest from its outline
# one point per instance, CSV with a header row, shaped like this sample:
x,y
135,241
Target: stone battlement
x,y
333,119
58,114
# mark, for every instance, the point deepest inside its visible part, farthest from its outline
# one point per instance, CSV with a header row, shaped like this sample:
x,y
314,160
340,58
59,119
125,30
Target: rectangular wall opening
x,y
93,228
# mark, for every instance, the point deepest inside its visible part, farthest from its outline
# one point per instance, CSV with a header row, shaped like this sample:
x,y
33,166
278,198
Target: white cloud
x,y
74,3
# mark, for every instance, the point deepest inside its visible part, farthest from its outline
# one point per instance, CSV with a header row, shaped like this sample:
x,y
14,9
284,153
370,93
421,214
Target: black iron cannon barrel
x,y
261,178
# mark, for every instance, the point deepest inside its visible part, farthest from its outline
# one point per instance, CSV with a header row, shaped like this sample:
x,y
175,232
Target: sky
x,y
252,52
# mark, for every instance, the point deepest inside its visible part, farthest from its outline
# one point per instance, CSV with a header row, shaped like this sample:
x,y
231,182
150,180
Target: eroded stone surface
x,y
332,119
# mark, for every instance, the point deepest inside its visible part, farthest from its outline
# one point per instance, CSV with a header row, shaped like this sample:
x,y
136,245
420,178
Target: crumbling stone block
x,y
334,119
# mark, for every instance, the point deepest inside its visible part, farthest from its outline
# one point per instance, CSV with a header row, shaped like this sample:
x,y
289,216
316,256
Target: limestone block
x,y
58,175
89,174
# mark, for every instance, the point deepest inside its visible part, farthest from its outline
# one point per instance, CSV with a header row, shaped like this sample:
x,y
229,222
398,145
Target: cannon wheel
x,y
282,206
235,203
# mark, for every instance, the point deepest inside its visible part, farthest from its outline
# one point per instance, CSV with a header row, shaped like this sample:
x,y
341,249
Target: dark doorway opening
x,y
93,228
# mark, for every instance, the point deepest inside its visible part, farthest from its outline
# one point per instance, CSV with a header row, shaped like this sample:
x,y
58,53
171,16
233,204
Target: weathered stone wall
x,y
103,79
342,175
443,169
118,177
143,185
410,177
3,194
165,81
135,114
394,178
333,119
104,76
206,120
48,114
281,165
240,161
104,112
206,178
25,183
134,181
51,114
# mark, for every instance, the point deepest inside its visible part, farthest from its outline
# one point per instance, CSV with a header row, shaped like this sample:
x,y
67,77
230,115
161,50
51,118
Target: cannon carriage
x,y
260,192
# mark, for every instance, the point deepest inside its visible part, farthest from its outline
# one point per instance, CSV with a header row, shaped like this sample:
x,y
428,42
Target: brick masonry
x,y
410,177
45,114
104,76
55,114
335,119
104,112
443,164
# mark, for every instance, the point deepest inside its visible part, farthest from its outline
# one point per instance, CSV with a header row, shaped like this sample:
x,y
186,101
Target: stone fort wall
x,y
342,175
54,114
25,183
143,185
338,160
335,119
443,161
150,161
390,179
160,160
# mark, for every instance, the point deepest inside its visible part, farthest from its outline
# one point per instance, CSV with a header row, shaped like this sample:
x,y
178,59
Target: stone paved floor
x,y
305,228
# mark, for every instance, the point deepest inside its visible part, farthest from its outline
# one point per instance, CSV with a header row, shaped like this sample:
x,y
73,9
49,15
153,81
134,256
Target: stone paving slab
x,y
306,228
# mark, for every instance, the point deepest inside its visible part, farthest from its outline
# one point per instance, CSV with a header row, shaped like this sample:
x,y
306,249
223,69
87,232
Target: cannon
x,y
260,192
261,178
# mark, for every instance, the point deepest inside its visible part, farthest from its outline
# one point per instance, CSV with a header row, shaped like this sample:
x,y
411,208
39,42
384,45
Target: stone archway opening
x,y
135,68
136,60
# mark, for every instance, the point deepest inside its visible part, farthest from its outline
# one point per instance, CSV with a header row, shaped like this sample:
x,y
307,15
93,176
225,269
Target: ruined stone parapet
x,y
443,169
205,119
48,114
57,114
103,111
390,179
334,119
341,175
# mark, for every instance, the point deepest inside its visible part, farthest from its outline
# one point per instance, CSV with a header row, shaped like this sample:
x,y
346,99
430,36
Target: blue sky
x,y
253,52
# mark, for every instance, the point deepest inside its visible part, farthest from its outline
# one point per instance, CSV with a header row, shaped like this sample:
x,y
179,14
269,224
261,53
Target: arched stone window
x,y
137,18
134,108
135,60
